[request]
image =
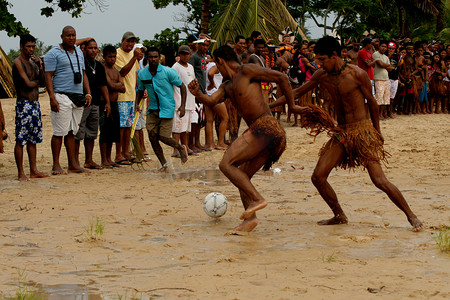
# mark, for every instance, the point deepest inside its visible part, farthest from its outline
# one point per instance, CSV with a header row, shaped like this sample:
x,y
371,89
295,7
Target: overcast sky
x,y
138,16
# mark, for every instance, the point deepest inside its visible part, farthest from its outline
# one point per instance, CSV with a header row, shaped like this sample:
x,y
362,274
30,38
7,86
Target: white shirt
x,y
186,74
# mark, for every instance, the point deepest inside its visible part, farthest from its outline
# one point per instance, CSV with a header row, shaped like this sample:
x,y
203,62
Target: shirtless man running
x,y
356,140
265,140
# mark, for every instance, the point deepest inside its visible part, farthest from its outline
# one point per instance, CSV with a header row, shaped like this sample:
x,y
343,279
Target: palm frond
x,y
242,17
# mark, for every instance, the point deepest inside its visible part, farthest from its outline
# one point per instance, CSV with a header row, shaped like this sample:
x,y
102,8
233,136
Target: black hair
x,y
311,43
255,34
384,43
226,53
239,37
259,42
109,49
87,42
249,39
153,49
27,38
418,45
327,45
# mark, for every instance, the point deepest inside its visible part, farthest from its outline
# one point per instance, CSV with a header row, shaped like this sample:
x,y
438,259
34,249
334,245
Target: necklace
x,y
92,68
340,70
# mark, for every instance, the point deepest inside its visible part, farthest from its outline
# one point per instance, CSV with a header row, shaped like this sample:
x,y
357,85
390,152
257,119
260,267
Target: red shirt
x,y
364,55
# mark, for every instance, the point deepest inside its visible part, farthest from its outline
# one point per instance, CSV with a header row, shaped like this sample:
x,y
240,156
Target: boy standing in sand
x,y
27,75
356,140
265,140
110,124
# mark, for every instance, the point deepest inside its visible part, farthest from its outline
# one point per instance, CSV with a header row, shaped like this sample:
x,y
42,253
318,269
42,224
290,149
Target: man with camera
x,y
68,89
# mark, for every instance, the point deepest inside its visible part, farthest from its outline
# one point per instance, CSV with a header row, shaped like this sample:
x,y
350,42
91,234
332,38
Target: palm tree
x,y
242,17
413,8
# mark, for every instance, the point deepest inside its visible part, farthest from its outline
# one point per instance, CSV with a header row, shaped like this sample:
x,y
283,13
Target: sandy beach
x,y
158,243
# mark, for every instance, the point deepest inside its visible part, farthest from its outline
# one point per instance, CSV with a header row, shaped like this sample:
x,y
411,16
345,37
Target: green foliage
x,y
8,21
94,230
13,27
442,239
25,291
168,42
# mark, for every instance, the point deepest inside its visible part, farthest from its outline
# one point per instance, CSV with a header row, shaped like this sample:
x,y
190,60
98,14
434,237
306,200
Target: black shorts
x,y
109,126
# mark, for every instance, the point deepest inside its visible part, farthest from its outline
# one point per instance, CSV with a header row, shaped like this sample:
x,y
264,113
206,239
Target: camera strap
x,y
78,62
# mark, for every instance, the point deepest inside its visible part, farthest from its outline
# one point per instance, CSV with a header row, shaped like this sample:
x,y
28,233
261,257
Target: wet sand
x,y
157,240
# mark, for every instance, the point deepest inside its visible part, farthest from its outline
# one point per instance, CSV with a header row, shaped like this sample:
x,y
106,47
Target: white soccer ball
x,y
215,205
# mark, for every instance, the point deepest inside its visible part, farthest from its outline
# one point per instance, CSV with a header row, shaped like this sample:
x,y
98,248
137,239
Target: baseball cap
x,y
392,45
366,41
128,35
184,49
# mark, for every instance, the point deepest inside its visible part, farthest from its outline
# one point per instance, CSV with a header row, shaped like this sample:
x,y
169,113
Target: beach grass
x,y
25,291
442,239
94,230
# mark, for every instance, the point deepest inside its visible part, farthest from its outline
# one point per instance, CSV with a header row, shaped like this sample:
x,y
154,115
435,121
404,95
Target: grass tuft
x,y
94,230
442,239
25,291
329,258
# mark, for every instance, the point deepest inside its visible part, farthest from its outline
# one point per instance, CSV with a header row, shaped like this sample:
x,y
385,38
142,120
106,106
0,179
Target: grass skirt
x,y
362,142
269,127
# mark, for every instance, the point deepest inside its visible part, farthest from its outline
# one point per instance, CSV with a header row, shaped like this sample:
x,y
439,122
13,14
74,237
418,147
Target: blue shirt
x,y
160,89
56,61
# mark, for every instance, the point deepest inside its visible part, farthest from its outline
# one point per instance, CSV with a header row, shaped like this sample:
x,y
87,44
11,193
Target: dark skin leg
x,y
18,155
154,140
69,143
34,172
221,111
250,168
380,181
245,148
326,163
209,132
125,142
89,150
56,145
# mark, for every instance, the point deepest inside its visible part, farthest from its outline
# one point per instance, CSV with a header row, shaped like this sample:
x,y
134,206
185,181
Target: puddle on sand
x,y
68,292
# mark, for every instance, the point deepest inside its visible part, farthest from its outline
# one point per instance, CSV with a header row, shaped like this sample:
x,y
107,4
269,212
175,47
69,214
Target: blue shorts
x,y
28,122
126,112
423,96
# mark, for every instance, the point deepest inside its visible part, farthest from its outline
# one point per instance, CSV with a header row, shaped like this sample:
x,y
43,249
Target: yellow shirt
x,y
130,79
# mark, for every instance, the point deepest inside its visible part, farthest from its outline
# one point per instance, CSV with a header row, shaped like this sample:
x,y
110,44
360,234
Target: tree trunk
x,y
440,21
204,26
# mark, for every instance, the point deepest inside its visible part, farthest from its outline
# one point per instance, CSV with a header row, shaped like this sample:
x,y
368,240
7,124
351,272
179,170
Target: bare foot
x,y
221,147
248,225
416,224
340,219
93,165
37,174
56,171
22,177
253,207
184,155
78,171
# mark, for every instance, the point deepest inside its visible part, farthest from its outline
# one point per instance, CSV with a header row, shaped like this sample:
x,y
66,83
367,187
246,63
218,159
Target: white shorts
x,y
183,124
197,114
393,87
68,118
382,94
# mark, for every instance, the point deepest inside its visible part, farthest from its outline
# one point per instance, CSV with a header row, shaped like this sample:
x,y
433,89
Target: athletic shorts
x,y
183,124
126,112
393,87
28,123
197,114
68,118
160,126
88,124
382,92
109,126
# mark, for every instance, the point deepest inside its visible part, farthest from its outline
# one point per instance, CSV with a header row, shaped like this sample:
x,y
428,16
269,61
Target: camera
x,y
77,77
